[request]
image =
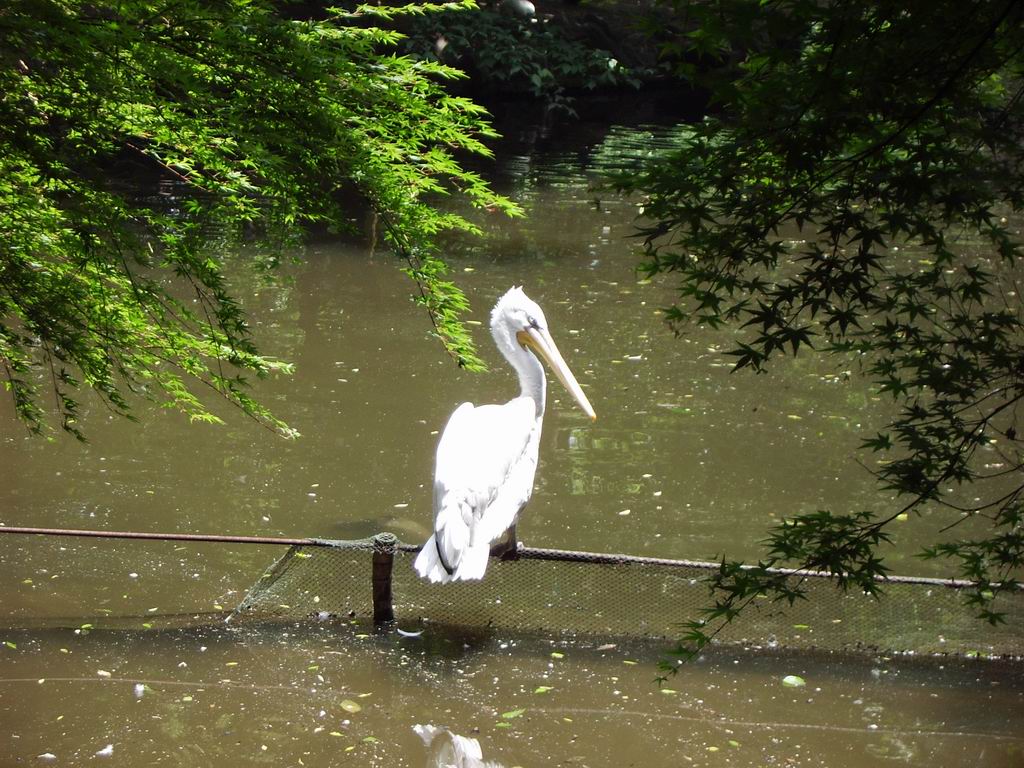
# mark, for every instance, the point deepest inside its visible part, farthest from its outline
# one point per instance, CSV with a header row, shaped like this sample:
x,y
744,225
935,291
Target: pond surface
x,y
324,695
685,461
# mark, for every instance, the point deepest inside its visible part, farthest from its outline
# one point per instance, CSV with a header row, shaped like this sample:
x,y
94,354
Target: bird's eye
x,y
532,322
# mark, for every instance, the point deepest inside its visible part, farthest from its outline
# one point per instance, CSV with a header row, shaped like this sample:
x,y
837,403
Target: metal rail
x,y
526,553
157,536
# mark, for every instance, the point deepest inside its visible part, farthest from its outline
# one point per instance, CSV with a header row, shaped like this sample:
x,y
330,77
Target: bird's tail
x,y
474,563
452,553
428,563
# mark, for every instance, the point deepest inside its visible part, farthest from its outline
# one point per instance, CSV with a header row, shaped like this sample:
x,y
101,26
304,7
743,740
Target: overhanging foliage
x,y
843,134
262,120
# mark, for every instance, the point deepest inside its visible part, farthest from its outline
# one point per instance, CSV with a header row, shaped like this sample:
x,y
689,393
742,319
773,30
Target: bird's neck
x,y
532,382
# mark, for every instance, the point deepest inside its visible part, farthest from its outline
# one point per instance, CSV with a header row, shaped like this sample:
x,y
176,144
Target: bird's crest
x,y
513,295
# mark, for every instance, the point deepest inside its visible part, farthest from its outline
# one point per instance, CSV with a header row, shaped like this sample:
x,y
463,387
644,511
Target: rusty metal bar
x,y
155,536
526,553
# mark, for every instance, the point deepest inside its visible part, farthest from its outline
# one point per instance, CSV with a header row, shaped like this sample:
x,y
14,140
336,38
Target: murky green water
x,y
323,695
685,460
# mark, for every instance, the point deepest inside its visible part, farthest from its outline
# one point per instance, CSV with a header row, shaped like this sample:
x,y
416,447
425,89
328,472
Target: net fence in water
x,y
560,592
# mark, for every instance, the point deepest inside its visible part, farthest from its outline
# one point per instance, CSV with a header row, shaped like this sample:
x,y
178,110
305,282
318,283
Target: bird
x,y
487,455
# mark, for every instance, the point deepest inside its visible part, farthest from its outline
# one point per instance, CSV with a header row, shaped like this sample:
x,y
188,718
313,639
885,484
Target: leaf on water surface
x,y
793,681
801,626
12,646
502,725
733,743
370,739
512,714
102,673
336,733
542,689
364,695
630,662
351,707
669,691
557,655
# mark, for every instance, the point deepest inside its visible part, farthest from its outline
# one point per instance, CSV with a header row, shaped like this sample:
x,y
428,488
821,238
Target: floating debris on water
x,y
351,706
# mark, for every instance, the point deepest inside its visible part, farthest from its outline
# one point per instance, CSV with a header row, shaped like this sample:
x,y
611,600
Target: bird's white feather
x,y
487,455
480,484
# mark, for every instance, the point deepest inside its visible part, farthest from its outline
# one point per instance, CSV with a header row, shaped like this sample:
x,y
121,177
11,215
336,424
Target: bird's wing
x,y
478,451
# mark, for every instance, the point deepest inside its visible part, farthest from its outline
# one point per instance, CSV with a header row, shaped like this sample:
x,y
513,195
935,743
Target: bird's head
x,y
518,321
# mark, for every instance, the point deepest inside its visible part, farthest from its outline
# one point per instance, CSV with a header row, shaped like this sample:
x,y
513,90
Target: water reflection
x,y
322,695
449,750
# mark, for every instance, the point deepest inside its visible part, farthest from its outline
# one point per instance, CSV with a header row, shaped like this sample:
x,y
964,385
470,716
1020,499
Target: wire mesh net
x,y
621,596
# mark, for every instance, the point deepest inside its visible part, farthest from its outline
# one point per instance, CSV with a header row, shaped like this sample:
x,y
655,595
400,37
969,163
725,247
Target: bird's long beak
x,y
540,341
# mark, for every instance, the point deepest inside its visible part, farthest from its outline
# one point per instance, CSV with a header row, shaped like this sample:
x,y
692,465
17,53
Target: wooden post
x,y
383,560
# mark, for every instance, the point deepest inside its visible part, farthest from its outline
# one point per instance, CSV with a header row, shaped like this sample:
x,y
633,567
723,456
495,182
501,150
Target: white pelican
x,y
487,455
